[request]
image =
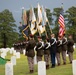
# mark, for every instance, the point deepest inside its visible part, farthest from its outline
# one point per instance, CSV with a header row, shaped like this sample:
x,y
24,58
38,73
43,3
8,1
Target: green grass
x,y
21,68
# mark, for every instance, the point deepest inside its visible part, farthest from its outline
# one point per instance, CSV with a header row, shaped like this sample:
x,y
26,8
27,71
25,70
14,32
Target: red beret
x,y
31,35
39,37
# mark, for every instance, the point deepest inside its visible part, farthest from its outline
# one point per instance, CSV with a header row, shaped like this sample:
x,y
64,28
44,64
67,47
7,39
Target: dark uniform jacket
x,y
47,48
59,46
64,44
70,45
53,45
30,48
39,49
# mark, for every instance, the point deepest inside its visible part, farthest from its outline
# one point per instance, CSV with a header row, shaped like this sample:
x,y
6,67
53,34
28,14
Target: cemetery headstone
x,y
13,60
74,67
24,51
41,68
14,52
18,55
35,59
8,68
3,55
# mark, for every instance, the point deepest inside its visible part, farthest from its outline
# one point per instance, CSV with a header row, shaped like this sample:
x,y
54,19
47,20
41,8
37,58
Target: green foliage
x,y
8,32
71,23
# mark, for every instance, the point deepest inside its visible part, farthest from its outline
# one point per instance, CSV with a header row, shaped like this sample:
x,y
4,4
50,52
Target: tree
x,y
71,21
8,34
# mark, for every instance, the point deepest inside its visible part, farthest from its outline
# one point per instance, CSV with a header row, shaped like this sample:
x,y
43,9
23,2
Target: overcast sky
x,y
15,5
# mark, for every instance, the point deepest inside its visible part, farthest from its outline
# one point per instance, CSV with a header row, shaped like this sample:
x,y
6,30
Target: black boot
x,y
58,64
31,71
53,66
47,66
64,63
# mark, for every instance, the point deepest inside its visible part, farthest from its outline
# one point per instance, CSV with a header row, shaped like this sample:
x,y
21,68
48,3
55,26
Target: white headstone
x,y
74,67
74,46
24,51
18,55
41,68
7,49
14,52
8,68
55,60
66,54
11,51
35,59
13,60
3,55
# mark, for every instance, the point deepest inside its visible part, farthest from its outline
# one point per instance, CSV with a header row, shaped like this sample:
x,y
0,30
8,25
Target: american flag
x,y
61,23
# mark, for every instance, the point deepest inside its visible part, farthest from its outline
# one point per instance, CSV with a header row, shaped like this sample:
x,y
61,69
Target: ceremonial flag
x,y
24,24
44,17
61,23
33,25
40,27
39,14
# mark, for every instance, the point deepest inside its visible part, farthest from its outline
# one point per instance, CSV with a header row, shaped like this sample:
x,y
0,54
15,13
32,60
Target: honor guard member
x,y
47,53
39,48
30,52
70,48
59,49
64,49
53,50
19,47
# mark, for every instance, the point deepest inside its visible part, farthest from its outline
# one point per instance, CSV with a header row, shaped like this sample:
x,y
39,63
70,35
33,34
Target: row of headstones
x,y
4,51
41,68
9,65
41,64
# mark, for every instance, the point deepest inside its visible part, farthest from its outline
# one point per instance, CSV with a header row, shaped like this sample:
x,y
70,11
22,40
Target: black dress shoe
x,y
71,62
58,64
47,66
53,66
31,71
64,63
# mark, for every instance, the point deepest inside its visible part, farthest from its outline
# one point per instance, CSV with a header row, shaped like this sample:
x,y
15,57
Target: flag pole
x,y
49,27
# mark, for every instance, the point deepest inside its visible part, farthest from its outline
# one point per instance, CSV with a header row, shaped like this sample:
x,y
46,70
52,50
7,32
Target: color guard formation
x,y
51,49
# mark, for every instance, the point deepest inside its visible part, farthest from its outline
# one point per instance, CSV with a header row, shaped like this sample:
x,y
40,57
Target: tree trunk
x,y
4,40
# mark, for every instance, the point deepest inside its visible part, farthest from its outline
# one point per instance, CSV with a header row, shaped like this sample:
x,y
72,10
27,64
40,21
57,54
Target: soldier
x,y
53,50
30,52
64,48
70,48
39,49
59,48
47,53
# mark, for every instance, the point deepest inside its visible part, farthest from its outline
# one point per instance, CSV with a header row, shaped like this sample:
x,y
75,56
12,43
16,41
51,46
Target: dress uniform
x,y
59,48
70,48
30,53
64,49
47,53
39,49
53,50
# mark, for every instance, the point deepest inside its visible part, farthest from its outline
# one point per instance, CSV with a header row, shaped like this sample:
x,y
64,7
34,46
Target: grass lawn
x,y
21,68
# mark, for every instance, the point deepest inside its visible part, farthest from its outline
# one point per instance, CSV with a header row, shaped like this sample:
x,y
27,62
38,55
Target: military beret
x,y
39,37
31,35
